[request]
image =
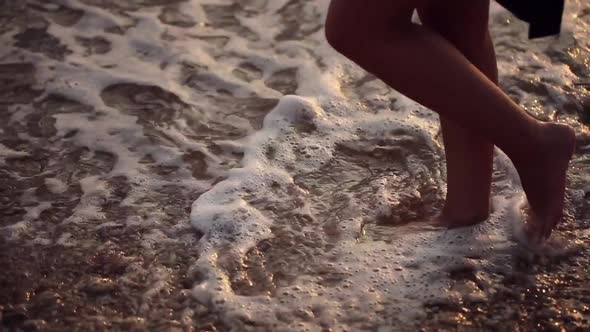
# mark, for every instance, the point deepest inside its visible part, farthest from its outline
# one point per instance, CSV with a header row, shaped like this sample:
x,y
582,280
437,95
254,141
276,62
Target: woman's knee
x,y
350,23
338,30
464,23
336,35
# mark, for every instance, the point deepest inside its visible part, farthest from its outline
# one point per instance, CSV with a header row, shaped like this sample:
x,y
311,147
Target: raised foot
x,y
543,177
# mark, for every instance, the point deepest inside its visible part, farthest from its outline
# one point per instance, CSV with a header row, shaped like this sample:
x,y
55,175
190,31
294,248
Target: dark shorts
x,y
544,16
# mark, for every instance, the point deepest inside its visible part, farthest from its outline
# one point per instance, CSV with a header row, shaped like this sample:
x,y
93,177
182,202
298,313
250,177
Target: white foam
x,y
55,185
6,152
371,265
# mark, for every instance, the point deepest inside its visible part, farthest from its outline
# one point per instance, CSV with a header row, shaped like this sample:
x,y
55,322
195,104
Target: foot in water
x,y
542,173
543,177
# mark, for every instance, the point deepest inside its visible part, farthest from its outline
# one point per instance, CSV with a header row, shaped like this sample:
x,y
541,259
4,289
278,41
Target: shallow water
x,y
215,165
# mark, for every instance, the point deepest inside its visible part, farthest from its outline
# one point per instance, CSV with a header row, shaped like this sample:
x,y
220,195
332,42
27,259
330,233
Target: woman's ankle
x,y
465,213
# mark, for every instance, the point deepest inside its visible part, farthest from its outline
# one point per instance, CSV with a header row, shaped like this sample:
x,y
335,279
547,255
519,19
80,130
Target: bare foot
x,y
450,219
543,175
468,211
465,207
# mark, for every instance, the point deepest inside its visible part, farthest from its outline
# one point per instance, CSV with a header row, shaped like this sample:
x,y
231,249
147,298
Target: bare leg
x,y
469,156
427,68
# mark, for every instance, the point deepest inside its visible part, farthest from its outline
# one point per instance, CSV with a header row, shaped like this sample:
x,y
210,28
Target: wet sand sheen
x,y
216,166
